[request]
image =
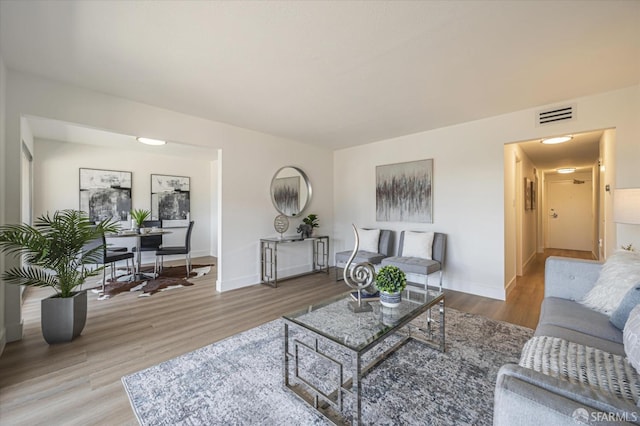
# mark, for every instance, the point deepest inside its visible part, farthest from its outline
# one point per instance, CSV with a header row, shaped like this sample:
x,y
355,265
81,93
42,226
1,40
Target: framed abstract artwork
x,y
534,195
105,194
170,200
404,192
286,195
527,193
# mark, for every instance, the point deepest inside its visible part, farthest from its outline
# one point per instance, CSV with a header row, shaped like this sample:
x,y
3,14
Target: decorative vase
x,y
390,300
63,318
389,316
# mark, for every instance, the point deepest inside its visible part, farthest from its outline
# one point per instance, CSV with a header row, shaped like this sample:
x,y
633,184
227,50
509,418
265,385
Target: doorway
x,y
569,213
528,228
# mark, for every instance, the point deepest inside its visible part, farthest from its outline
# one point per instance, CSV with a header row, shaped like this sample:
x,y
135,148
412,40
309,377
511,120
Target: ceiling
x,y
54,130
581,152
335,74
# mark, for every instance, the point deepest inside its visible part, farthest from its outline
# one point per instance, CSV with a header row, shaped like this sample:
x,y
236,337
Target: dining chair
x,y
172,250
150,242
108,257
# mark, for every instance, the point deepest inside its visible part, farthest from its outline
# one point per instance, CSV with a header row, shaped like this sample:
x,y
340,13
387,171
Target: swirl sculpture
x,y
360,277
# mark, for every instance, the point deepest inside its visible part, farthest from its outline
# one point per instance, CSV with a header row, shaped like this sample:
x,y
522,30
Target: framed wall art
x,y
286,195
105,194
527,193
170,200
404,192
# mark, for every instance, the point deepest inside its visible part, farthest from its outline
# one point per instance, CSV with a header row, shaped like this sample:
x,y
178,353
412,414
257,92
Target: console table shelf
x,y
269,257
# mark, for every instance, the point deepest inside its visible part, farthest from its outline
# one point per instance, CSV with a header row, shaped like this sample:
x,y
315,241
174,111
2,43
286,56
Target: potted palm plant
x,y
56,254
390,280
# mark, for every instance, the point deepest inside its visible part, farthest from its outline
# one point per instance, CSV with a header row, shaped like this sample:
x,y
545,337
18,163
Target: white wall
x,y
3,97
56,183
607,177
247,162
520,224
469,187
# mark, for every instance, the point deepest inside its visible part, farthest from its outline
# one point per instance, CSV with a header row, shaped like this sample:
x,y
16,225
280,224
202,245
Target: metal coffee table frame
x,y
330,405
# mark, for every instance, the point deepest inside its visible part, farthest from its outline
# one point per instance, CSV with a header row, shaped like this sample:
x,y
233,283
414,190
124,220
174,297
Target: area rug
x,y
239,380
171,277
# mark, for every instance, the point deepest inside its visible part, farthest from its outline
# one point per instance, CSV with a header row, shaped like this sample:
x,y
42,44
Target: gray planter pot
x,y
63,319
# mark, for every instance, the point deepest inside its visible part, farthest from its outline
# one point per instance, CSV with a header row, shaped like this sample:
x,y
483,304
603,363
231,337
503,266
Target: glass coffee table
x,y
329,349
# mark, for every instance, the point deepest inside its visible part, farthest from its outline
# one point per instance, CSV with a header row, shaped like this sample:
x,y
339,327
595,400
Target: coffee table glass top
x,y
334,320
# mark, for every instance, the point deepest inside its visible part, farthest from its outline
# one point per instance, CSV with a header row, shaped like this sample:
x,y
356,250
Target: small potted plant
x,y
138,216
390,280
312,222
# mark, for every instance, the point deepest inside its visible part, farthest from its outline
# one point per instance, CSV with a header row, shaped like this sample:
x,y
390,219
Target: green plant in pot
x,y
308,224
390,280
139,216
56,253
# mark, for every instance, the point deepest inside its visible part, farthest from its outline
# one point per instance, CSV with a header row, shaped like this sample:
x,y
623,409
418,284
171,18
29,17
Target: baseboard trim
x,y
528,263
13,332
509,287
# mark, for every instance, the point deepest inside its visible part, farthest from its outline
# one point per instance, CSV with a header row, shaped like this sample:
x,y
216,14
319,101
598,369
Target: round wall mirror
x,y
290,191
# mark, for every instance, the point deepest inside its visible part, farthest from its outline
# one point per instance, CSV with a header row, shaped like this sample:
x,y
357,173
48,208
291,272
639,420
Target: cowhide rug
x,y
170,277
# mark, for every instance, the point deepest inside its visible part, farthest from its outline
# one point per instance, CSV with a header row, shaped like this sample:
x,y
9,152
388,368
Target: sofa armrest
x,y
570,278
527,397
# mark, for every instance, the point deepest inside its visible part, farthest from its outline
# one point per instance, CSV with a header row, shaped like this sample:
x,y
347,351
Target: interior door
x,y
569,215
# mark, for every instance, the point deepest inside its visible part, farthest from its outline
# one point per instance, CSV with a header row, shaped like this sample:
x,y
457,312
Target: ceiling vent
x,y
557,114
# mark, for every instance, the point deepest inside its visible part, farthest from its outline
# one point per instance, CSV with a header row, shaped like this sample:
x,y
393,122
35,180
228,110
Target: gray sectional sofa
x,y
572,344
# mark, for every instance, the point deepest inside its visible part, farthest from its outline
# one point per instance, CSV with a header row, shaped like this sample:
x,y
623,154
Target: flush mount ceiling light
x,y
556,140
566,170
148,141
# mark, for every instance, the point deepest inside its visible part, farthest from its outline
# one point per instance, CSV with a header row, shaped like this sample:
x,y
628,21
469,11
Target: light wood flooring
x,y
78,383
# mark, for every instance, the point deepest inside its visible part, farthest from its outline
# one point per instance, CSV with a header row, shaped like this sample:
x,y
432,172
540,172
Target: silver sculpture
x,y
360,277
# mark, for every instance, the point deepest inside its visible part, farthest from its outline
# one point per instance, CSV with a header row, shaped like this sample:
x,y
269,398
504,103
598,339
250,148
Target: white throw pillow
x,y
620,272
631,338
369,239
417,244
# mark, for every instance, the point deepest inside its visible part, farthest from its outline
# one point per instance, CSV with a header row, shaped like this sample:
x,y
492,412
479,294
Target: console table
x,y
269,257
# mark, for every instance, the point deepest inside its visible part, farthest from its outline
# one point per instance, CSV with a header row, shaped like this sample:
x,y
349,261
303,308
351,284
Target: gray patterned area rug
x,y
238,381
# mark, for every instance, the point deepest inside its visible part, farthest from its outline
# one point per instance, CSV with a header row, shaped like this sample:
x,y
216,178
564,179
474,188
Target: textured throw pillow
x,y
631,338
417,244
629,301
619,273
369,239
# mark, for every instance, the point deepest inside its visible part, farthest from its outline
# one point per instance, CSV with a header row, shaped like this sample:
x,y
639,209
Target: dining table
x,y
138,235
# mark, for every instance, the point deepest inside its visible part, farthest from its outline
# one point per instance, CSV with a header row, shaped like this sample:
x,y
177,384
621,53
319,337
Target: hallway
x,y
523,303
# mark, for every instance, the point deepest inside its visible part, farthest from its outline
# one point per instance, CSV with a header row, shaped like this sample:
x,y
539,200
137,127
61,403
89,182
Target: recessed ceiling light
x,y
148,141
566,170
556,140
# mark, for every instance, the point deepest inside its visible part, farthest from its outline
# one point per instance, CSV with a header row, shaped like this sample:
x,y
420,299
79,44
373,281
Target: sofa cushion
x,y
583,365
632,337
413,265
369,239
574,316
580,338
619,273
361,256
417,244
630,300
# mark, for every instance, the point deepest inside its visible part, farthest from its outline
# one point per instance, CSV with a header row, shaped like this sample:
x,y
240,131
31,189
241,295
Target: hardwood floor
x,y
78,383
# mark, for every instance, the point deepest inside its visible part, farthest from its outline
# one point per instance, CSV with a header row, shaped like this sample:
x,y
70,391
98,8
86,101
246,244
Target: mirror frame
x,y
307,184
